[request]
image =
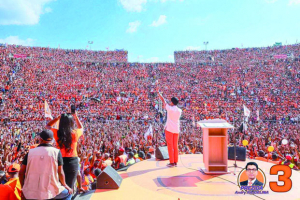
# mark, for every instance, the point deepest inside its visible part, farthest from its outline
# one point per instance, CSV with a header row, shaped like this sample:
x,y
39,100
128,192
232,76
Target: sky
x,y
150,30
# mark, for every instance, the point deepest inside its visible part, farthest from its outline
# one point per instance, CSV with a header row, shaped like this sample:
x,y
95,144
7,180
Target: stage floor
x,y
151,179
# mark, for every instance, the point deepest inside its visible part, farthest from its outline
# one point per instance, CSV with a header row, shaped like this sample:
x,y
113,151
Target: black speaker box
x,y
161,153
240,153
109,179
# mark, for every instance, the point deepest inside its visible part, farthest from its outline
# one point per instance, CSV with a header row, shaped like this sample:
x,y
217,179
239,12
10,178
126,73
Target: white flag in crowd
x,y
148,132
246,111
194,124
47,111
257,112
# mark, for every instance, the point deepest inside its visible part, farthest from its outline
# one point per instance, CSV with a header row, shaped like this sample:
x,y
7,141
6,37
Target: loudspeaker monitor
x,y
240,153
161,153
109,179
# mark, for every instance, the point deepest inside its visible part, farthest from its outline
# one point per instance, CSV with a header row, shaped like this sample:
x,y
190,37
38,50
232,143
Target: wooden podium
x,y
215,153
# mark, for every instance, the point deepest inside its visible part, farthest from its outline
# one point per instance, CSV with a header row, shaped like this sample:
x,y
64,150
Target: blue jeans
x,y
64,195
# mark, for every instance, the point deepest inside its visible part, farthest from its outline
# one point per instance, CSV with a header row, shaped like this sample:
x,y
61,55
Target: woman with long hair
x,y
66,137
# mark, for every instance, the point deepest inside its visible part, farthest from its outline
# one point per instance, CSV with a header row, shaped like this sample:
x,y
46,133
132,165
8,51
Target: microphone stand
x,y
234,165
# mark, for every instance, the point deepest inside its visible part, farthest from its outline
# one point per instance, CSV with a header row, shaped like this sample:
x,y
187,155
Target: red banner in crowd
x,y
280,56
20,56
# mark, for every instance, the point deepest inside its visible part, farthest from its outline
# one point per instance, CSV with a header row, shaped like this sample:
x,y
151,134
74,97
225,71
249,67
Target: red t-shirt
x,y
75,136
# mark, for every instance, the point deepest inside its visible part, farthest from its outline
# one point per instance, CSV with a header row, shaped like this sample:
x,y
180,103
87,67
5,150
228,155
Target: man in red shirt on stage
x,y
172,128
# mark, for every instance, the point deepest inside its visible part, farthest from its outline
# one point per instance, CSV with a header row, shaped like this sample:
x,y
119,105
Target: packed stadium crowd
x,y
116,103
64,55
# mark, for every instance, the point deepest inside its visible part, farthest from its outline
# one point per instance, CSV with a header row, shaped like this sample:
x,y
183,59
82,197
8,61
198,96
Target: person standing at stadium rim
x,y
172,128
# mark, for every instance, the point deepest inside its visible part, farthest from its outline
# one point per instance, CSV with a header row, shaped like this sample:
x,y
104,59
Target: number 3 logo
x,y
287,172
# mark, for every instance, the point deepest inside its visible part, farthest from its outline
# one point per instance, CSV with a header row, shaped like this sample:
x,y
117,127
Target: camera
x,y
73,109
